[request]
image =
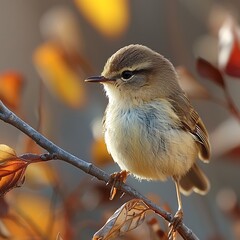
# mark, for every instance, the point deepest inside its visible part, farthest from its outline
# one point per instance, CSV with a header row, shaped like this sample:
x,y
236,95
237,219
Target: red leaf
x,y
207,70
233,65
229,53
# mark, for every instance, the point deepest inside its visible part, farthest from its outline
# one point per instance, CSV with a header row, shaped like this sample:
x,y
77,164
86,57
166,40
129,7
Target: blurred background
x,y
48,48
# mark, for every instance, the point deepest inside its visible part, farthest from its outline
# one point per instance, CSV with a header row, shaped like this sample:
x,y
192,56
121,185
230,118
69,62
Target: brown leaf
x,y
11,85
229,53
190,85
129,216
207,70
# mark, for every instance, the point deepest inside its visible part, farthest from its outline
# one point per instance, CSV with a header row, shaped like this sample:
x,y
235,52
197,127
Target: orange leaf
x,y
111,18
33,217
129,216
11,175
58,75
4,231
11,84
100,155
12,169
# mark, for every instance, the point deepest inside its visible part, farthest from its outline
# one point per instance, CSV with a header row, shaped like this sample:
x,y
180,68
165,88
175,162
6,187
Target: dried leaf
x,y
229,53
61,80
111,18
11,86
11,174
207,70
190,85
12,168
129,216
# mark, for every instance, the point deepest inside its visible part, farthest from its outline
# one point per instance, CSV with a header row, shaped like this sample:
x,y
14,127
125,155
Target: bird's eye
x,y
127,75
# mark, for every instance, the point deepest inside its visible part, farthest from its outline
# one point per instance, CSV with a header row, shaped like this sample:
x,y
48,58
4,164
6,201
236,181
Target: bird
x,y
150,127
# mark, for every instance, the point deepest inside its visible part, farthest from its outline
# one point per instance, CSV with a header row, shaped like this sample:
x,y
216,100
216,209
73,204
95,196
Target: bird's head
x,y
136,73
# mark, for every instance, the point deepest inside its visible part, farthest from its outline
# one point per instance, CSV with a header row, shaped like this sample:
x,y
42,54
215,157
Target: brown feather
x,y
192,123
195,180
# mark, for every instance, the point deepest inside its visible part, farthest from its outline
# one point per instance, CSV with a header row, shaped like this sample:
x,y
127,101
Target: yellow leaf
x,y
110,17
58,76
41,175
32,219
11,85
129,216
6,152
100,155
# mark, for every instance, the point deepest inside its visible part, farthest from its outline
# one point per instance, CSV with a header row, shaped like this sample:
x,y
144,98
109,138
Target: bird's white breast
x,y
146,141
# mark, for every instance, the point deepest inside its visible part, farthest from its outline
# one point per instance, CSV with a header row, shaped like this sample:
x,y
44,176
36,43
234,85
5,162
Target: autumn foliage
x,y
43,207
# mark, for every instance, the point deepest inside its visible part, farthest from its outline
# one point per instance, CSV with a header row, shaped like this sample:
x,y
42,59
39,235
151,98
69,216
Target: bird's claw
x,y
175,224
116,180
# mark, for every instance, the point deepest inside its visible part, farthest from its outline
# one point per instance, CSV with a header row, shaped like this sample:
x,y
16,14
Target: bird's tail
x,y
195,180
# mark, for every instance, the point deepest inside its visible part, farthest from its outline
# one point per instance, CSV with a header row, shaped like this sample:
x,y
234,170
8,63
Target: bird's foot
x,y
175,224
116,180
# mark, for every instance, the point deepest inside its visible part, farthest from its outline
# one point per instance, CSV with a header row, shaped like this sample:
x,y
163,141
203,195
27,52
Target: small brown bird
x,y
150,127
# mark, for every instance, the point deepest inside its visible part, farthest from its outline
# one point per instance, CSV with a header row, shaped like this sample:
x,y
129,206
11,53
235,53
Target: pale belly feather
x,y
146,142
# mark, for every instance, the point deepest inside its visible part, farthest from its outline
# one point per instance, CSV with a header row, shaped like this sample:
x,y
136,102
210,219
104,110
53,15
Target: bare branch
x,y
9,117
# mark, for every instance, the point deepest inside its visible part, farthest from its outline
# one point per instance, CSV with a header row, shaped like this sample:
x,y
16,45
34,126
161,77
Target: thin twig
x,y
9,117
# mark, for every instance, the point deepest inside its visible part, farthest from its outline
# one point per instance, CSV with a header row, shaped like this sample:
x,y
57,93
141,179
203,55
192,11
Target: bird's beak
x,y
99,79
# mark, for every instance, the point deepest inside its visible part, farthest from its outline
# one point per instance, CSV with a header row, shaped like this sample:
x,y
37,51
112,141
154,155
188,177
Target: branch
x,y
9,117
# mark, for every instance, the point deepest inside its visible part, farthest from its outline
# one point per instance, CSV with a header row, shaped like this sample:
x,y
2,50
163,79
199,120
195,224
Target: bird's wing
x,y
192,123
